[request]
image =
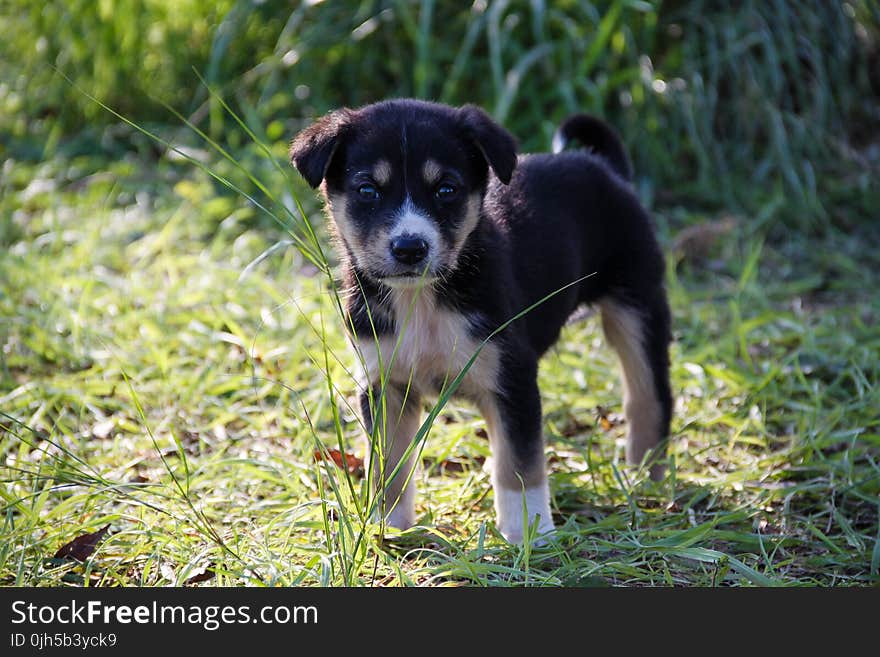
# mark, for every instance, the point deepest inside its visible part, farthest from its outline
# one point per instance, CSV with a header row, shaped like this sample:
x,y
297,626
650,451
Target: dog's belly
x,y
431,347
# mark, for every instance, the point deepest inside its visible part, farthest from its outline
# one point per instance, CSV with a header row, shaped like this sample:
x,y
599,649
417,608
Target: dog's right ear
x,y
312,149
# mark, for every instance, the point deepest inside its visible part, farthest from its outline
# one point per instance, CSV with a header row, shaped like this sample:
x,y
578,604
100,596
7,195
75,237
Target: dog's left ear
x,y
311,151
497,145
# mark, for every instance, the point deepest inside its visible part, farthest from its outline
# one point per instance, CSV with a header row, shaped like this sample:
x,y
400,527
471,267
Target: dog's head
x,y
404,182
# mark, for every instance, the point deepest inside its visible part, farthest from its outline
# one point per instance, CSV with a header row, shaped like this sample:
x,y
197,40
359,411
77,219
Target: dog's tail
x,y
597,135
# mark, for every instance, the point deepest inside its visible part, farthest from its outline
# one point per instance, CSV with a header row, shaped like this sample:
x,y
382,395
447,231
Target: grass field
x,y
160,377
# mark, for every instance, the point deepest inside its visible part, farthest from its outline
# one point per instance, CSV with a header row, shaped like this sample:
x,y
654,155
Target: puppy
x,y
445,236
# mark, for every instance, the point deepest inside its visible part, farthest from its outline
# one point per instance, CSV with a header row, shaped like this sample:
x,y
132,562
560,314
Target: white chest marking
x,y
430,349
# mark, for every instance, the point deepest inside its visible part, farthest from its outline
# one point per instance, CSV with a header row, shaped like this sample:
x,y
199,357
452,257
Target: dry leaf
x,y
81,547
204,576
455,466
350,462
606,419
575,427
696,242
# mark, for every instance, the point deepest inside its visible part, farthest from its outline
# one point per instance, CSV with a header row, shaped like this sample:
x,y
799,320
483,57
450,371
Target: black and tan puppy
x,y
446,235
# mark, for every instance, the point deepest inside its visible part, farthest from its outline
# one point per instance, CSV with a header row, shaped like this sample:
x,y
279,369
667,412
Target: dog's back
x,y
573,215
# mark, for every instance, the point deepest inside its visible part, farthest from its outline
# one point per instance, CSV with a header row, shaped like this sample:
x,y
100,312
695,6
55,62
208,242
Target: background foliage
x,y
776,98
159,375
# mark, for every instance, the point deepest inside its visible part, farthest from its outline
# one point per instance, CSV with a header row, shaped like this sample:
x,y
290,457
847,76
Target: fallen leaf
x,y
606,419
696,242
81,547
204,576
575,427
454,466
350,462
167,571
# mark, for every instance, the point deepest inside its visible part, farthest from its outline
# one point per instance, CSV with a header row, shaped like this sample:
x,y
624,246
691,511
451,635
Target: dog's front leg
x,y
392,421
519,474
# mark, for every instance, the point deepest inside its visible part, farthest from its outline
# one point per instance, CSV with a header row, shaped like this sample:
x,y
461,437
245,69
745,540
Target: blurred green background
x,y
766,106
159,375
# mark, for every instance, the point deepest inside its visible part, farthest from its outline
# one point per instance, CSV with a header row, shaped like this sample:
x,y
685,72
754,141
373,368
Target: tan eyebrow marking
x,y
382,172
431,171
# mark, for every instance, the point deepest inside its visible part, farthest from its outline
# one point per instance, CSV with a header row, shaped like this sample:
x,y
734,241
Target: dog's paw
x,y
658,472
515,536
401,517
509,508
399,513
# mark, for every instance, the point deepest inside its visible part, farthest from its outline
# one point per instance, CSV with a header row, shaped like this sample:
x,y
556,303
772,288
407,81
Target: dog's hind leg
x,y
392,422
640,335
519,475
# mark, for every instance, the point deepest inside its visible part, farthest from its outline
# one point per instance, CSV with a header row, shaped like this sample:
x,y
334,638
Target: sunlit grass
x,y
173,359
146,384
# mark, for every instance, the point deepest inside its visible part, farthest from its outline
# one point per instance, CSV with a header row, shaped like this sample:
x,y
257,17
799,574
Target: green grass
x,y
145,385
170,363
725,105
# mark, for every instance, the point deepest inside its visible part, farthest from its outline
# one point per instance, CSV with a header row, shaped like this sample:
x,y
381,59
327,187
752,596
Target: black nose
x,y
409,250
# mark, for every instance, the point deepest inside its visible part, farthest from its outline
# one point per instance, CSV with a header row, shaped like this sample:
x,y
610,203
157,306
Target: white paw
x,y
401,517
509,510
515,535
399,512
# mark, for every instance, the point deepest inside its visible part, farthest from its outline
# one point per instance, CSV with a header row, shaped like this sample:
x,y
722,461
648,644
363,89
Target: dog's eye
x,y
445,192
368,192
